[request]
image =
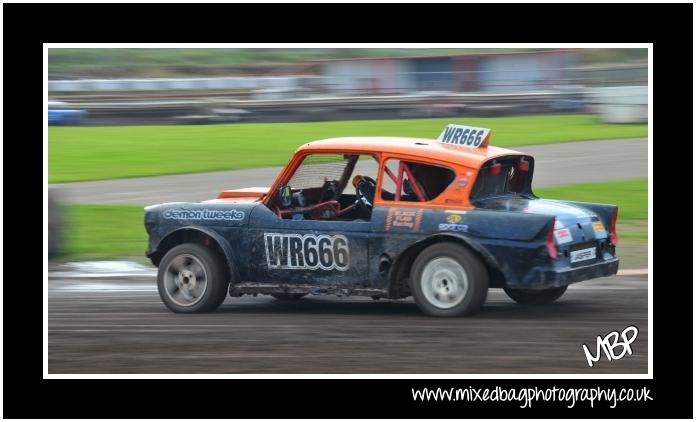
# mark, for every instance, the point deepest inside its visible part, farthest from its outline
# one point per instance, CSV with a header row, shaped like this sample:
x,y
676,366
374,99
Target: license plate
x,y
583,255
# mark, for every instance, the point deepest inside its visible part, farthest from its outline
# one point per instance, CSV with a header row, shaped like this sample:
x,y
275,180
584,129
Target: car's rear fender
x,y
505,225
604,211
195,234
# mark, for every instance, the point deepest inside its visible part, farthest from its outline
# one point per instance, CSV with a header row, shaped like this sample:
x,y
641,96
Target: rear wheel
x,y
448,279
535,297
289,296
192,278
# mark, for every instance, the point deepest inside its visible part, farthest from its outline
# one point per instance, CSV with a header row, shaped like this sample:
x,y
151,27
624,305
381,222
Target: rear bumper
x,y
548,278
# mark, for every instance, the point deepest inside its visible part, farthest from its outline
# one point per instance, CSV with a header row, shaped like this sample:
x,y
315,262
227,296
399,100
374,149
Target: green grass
x,y
631,196
104,231
95,153
116,231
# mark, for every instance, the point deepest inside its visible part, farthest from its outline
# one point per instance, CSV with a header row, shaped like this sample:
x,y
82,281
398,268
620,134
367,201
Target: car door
x,y
310,252
402,215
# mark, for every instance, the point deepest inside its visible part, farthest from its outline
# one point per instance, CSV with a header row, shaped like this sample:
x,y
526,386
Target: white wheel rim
x,y
444,283
185,280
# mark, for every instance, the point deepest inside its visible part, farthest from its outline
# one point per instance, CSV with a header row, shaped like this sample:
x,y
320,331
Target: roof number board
x,y
466,136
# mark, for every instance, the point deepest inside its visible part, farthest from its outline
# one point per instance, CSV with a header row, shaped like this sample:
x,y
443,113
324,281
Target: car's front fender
x,y
172,238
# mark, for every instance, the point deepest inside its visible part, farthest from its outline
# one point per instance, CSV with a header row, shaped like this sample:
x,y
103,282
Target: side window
x,y
414,182
325,186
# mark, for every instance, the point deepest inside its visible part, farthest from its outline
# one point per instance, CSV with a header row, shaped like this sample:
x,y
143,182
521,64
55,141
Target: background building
x,y
475,72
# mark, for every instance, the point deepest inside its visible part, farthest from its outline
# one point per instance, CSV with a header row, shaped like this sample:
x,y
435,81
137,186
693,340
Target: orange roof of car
x,y
412,147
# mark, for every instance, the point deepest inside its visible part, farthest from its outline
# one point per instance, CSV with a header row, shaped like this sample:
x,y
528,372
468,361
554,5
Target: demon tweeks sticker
x,y
203,214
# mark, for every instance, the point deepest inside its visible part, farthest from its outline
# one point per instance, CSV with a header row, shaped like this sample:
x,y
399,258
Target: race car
x,y
441,220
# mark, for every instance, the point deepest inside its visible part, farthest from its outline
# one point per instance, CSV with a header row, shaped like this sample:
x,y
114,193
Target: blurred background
x,y
142,86
131,127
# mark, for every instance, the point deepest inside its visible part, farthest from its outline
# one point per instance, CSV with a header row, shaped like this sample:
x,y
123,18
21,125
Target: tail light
x,y
550,243
614,236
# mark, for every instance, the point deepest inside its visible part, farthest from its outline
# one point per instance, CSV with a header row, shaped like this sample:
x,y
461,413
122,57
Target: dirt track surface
x,y
558,164
119,325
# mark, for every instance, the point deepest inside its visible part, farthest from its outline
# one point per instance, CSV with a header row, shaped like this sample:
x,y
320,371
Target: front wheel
x,y
192,278
448,279
535,297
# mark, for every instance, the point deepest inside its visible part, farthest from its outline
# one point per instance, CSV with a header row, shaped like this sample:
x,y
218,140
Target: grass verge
x,y
631,196
104,231
97,153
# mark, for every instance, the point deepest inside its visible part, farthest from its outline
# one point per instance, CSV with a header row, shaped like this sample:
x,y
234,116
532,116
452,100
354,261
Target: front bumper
x,y
541,279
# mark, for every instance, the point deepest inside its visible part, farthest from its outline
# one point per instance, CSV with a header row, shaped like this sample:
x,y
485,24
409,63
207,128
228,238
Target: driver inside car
x,y
365,192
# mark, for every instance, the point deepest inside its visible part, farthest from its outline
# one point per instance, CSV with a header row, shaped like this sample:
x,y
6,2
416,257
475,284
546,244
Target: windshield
x,y
318,168
504,176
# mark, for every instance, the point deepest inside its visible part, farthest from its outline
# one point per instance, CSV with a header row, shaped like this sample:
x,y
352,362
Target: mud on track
x,y
119,325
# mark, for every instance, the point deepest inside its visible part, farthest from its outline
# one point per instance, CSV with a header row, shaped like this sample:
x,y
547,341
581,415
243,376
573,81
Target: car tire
x,y
192,278
535,297
289,296
448,280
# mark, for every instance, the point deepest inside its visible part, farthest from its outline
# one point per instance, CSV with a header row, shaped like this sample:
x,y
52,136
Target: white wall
x,y
619,104
173,84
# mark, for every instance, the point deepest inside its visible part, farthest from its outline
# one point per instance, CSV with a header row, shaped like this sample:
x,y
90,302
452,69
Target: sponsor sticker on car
x,y
599,227
453,227
203,214
403,219
454,218
563,236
